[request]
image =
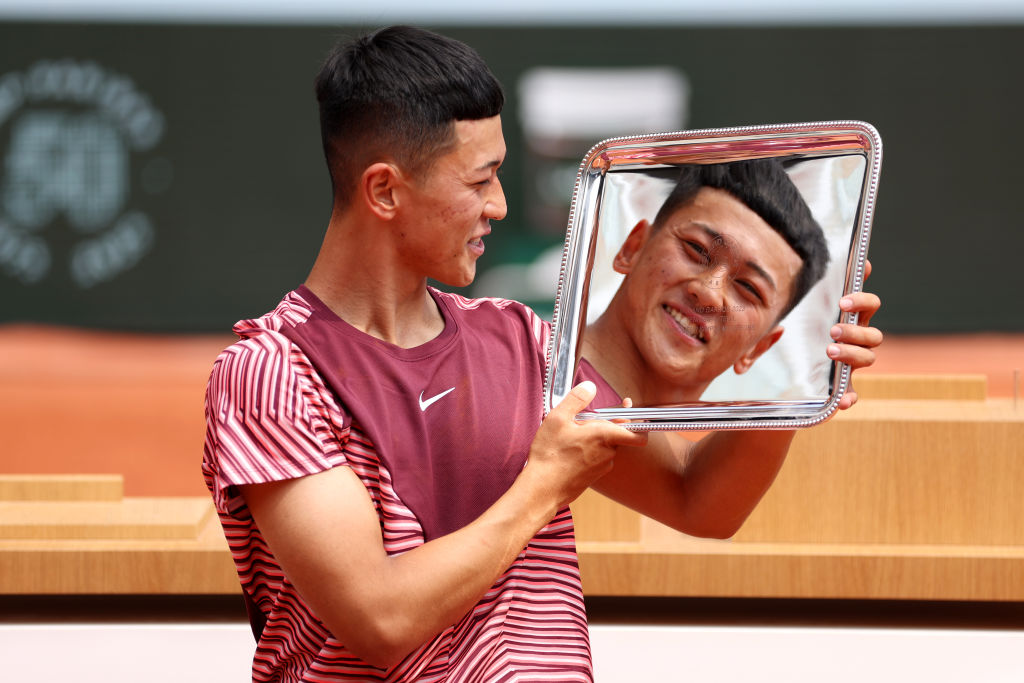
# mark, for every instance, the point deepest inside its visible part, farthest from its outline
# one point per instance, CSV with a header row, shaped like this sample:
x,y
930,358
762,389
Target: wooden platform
x,y
55,540
916,493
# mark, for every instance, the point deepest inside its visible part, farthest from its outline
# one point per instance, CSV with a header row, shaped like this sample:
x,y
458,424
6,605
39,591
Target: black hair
x,y
396,93
765,187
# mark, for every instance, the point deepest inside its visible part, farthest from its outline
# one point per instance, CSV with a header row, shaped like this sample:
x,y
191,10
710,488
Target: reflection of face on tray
x,y
702,292
705,287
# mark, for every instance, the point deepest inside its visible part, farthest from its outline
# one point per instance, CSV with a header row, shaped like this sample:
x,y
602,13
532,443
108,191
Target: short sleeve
x,y
268,418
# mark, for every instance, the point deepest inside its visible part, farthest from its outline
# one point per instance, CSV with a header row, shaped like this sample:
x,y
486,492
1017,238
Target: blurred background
x,y
161,167
161,177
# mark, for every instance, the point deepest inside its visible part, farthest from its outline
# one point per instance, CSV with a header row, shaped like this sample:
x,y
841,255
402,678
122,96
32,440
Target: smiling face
x,y
703,291
446,211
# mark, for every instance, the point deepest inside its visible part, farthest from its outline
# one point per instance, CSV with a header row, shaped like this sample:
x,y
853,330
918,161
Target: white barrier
x,y
183,653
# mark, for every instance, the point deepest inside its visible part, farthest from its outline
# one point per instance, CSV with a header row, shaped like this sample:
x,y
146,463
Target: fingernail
x,y
846,303
833,350
835,332
587,386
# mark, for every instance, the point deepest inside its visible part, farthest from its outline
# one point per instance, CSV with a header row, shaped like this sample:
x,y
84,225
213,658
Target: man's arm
x,y
325,533
710,487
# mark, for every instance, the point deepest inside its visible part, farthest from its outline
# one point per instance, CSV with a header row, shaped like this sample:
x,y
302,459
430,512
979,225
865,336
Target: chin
x,y
461,280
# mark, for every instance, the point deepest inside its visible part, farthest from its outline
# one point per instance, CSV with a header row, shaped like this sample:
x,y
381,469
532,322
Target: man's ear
x,y
625,259
377,189
763,344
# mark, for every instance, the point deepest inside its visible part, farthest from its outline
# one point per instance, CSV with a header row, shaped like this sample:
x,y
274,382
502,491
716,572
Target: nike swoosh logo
x,y
433,399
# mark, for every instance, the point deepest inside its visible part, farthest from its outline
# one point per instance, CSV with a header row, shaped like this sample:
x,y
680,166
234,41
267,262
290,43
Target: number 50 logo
x,y
72,129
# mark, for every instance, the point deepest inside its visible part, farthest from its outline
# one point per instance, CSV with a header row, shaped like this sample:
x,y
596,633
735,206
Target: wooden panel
x,y
131,518
730,569
905,472
200,565
941,387
601,519
67,487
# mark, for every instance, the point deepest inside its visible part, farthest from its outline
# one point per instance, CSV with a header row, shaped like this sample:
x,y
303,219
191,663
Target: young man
x,y
395,504
732,250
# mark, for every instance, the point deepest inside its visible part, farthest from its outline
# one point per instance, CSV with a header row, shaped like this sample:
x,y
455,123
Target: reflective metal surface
x,y
623,181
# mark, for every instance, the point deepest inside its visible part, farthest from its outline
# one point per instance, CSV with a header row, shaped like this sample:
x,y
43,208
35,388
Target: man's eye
x,y
489,179
750,290
696,251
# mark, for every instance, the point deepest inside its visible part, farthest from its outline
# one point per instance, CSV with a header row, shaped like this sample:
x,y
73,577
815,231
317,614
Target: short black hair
x,y
396,93
765,187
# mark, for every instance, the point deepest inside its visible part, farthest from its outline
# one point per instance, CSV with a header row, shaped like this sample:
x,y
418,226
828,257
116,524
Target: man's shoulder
x,y
494,308
264,369
475,303
293,309
260,339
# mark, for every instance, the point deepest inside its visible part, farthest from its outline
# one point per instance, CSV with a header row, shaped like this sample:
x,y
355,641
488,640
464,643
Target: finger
x,y
860,301
845,333
854,356
577,399
612,433
865,304
867,268
848,399
624,437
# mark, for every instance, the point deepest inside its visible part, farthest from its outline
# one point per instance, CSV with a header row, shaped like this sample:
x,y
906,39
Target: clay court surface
x,y
82,401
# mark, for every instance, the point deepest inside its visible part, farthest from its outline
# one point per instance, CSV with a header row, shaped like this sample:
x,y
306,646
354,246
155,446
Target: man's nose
x,y
496,208
708,289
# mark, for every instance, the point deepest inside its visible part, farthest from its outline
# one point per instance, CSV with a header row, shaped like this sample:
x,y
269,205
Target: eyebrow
x,y
714,234
490,164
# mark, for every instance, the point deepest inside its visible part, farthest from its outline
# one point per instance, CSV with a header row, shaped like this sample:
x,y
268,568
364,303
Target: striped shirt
x,y
302,392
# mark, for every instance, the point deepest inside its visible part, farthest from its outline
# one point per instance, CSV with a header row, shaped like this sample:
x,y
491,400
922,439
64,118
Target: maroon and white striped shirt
x,y
436,434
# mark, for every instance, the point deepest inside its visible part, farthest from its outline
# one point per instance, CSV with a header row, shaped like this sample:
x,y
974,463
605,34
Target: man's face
x,y
447,210
704,290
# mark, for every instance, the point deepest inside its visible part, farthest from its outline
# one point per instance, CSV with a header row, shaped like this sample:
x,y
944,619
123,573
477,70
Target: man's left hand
x,y
854,344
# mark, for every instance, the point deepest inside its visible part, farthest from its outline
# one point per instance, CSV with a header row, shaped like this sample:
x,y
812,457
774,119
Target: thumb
x,y
577,399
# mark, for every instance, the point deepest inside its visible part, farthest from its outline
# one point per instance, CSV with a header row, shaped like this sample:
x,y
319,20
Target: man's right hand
x,y
568,455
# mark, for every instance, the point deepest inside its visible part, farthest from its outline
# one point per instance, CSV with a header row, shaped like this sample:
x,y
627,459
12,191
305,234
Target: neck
x,y
358,276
